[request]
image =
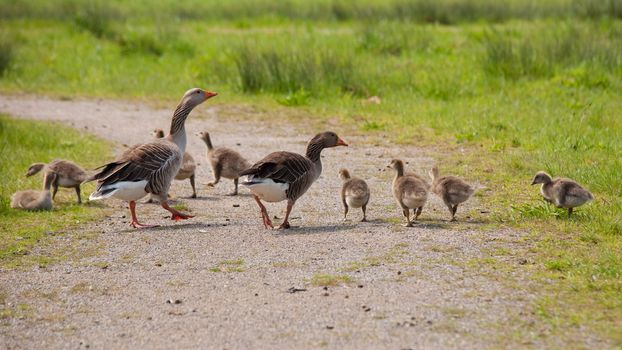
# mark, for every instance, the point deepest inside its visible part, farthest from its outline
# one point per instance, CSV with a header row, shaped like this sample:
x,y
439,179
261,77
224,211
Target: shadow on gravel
x,y
304,230
172,227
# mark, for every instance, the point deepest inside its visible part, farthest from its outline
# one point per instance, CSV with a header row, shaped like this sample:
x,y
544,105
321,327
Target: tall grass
x,y
306,67
428,11
7,53
544,53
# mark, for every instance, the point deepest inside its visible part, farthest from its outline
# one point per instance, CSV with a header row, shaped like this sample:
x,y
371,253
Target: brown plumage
x,y
354,193
563,193
451,189
410,191
150,167
35,200
287,176
225,162
69,175
188,166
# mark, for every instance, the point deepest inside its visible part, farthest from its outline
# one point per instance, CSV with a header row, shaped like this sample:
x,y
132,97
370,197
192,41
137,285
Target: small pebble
x,y
360,286
236,205
330,327
325,294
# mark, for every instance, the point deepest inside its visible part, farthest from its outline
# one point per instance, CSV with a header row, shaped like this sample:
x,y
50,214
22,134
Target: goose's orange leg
x,y
176,215
264,213
135,223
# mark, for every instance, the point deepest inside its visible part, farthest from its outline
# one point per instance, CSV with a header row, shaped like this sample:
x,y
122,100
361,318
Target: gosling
x,y
563,193
225,162
354,193
35,200
410,191
68,175
452,190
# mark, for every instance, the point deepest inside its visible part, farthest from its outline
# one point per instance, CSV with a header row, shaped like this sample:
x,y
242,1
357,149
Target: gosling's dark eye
x,y
198,92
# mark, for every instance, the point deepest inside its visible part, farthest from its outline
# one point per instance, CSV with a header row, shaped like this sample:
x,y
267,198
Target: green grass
x,y
495,90
328,280
26,142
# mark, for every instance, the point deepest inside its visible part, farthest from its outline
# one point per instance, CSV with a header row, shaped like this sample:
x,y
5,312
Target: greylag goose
x,y
354,193
285,175
35,200
225,162
69,175
186,171
410,191
452,190
563,193
150,167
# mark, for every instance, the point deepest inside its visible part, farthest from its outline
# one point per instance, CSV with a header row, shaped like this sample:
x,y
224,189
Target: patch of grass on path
x,y
25,142
328,280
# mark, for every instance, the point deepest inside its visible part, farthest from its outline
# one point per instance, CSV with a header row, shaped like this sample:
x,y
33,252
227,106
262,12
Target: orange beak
x,y
340,142
209,94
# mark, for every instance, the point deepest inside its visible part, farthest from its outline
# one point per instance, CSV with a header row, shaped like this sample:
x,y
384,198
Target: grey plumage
x,y
410,191
354,193
225,162
150,167
562,192
452,190
288,172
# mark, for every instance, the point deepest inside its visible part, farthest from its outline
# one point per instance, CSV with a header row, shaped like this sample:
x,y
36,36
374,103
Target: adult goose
x,y
287,176
452,190
563,193
188,166
225,162
35,200
69,175
150,167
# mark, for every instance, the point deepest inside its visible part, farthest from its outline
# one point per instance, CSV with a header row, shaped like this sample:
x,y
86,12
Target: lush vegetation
x,y
507,87
26,142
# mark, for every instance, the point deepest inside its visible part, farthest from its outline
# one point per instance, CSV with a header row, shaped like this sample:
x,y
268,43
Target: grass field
x,y
24,143
507,88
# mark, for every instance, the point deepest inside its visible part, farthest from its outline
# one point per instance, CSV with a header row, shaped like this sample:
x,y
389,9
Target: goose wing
x,y
285,167
156,162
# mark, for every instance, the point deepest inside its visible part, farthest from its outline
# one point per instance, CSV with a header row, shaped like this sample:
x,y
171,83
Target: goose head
x,y
327,139
203,135
34,168
396,164
158,133
344,174
541,178
196,96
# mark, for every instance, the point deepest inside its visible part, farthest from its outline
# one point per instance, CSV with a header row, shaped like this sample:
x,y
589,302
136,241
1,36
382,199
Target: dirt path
x,y
427,286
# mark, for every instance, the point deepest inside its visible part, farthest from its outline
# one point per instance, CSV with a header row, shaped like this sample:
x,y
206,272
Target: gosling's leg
x,y
78,194
194,190
407,215
364,213
235,188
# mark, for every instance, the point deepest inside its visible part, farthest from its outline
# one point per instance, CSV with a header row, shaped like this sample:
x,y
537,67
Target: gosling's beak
x,y
209,94
340,142
533,182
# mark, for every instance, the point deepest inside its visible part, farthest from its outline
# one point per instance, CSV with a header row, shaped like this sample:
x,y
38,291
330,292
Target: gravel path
x,y
221,280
